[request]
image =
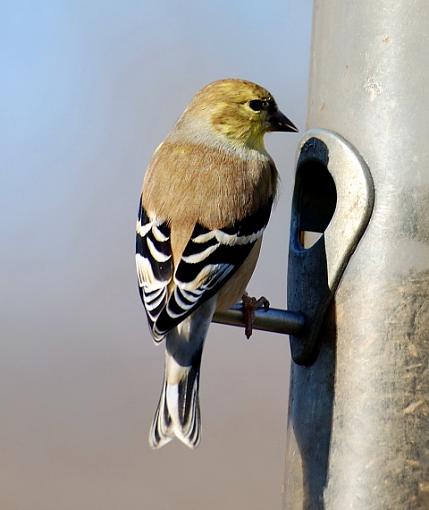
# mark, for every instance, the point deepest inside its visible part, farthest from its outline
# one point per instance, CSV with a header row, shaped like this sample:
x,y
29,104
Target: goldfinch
x,y
206,200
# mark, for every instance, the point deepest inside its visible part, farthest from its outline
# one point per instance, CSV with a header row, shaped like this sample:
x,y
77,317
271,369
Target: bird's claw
x,y
250,305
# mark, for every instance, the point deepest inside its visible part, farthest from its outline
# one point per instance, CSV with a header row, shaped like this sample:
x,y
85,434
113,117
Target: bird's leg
x,y
250,305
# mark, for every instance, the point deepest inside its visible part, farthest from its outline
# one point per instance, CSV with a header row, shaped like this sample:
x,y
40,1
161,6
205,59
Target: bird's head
x,y
239,110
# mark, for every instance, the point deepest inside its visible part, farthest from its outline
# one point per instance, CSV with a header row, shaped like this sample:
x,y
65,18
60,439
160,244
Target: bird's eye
x,y
256,105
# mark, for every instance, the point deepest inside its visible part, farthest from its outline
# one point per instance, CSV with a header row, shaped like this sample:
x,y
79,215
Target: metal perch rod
x,y
273,319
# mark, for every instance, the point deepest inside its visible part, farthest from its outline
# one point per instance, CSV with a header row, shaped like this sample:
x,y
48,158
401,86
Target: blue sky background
x,y
88,90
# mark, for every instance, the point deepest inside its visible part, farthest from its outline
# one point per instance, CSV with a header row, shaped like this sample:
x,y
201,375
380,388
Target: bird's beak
x,y
279,122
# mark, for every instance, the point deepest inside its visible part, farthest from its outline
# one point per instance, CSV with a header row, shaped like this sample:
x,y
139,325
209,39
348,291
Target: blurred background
x,y
88,90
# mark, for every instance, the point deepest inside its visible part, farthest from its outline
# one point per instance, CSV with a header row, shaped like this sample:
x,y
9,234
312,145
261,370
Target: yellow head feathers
x,y
239,110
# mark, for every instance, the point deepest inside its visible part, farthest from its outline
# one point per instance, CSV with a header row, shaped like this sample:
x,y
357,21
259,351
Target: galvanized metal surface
x,y
333,195
358,432
273,320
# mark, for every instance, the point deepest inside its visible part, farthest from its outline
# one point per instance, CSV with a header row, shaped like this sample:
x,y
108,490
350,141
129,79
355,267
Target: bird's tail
x,y
178,411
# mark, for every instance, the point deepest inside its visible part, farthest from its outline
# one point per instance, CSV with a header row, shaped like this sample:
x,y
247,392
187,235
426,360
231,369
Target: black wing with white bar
x,y
153,262
210,258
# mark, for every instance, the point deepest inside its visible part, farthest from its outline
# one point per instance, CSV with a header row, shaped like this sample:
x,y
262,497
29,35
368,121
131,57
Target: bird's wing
x,y
153,262
209,259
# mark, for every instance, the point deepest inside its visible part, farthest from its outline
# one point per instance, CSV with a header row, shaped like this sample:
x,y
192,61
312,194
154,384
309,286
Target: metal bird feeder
x,y
358,423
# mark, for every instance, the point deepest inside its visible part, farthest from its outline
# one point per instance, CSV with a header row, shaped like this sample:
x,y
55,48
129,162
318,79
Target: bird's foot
x,y
250,305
